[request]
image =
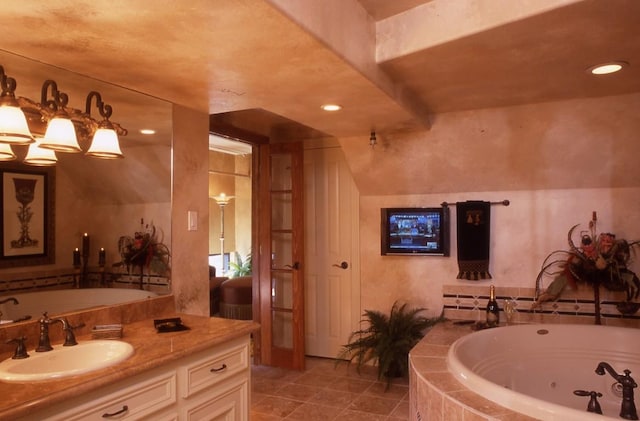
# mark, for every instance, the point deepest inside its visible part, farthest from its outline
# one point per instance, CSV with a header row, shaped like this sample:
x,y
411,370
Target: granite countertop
x,y
152,350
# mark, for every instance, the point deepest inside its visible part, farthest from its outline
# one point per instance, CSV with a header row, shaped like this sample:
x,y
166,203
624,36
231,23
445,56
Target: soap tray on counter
x,y
113,331
173,324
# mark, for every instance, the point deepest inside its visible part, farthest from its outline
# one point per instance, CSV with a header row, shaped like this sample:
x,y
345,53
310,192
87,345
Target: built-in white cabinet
x,y
209,385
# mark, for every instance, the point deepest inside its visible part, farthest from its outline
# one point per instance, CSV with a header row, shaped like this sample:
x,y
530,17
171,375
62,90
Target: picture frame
x,y
27,200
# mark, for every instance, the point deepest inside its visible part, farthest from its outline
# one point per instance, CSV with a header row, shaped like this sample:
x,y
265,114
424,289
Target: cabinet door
x,y
228,404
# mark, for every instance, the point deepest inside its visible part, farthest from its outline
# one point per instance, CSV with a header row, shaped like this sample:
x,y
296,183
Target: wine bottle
x,y
493,311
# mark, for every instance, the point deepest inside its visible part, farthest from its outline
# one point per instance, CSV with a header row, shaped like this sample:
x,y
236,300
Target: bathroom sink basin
x,y
65,361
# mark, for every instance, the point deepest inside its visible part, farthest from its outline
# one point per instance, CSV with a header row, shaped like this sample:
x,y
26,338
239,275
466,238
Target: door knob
x,y
295,266
343,265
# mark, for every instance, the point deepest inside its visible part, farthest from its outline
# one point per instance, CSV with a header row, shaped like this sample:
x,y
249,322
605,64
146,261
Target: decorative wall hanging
x,y
28,215
473,223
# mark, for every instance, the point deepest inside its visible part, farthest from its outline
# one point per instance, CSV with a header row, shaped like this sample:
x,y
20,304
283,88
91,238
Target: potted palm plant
x,y
387,340
240,267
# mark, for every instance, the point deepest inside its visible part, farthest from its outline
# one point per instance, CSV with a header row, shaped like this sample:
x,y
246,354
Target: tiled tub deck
x,y
435,394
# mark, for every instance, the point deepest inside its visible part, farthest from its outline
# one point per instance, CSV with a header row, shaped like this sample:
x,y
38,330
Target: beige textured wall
x,y
190,276
231,175
555,162
243,206
221,181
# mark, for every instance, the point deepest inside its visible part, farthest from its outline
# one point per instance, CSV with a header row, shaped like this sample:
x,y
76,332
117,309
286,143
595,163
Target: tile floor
x,y
326,392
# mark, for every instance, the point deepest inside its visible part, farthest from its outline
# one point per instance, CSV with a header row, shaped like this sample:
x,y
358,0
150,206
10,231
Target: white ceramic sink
x,y
65,361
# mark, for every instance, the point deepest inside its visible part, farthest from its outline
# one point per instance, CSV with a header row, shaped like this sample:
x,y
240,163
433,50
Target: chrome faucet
x,y
628,406
44,343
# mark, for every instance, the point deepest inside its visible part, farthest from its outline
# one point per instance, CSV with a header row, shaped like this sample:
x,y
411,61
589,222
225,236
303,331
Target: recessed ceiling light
x,y
607,68
331,107
147,131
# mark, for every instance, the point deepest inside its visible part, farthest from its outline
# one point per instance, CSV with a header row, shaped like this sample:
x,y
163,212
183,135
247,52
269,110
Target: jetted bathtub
x,y
534,369
33,304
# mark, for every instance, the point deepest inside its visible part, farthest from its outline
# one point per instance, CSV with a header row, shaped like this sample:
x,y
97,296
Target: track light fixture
x,y
56,126
372,139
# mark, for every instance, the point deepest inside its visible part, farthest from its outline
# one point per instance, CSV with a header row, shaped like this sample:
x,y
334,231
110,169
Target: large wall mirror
x,y
105,199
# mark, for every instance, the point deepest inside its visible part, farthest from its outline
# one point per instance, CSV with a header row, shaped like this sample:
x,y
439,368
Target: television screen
x,y
415,231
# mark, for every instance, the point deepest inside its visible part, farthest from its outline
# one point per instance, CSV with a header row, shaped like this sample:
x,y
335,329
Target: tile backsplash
x,y
468,302
42,280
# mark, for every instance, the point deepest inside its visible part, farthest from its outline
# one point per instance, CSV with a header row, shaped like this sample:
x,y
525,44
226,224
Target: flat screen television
x,y
415,231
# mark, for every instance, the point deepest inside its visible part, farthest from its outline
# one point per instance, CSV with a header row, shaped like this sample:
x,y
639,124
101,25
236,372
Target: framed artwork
x,y
27,200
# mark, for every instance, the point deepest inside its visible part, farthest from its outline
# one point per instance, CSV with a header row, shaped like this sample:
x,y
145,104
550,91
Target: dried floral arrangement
x,y
145,250
599,260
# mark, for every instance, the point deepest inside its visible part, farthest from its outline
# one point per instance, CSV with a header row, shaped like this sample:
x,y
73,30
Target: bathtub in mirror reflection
x,y
31,305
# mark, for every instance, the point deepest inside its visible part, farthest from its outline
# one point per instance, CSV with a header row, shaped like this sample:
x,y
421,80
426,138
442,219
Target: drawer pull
x,y
124,409
217,370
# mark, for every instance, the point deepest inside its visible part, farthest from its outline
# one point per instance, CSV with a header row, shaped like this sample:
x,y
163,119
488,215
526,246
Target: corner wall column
x,y
190,192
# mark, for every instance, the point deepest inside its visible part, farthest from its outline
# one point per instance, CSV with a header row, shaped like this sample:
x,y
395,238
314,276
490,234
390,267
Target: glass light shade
x,y
6,153
222,199
39,156
60,136
105,145
13,126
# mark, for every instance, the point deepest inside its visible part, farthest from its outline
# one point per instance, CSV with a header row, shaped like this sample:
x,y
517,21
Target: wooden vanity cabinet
x,y
209,385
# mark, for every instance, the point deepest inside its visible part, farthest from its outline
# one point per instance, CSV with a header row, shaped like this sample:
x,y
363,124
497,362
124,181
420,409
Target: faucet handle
x,y
70,337
21,349
594,405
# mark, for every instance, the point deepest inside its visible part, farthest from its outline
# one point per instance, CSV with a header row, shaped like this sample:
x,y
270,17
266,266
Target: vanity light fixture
x,y
331,107
105,142
6,153
147,131
607,68
60,135
57,126
39,156
13,123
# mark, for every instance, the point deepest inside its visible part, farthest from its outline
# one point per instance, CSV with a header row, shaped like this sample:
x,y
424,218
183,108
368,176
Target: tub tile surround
x,y
435,394
468,302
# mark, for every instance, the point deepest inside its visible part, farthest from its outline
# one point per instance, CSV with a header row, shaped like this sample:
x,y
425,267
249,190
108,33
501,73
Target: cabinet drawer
x,y
222,363
134,402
